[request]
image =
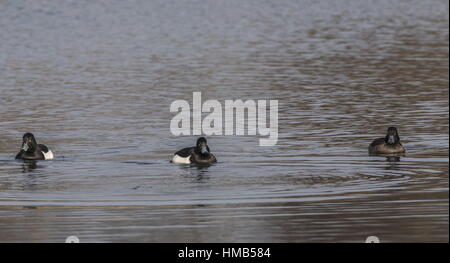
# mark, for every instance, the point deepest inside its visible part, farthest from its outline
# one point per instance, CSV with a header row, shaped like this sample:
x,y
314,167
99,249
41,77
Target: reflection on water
x,y
94,81
29,166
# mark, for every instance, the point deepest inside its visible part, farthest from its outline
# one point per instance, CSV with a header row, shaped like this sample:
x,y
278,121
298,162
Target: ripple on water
x,y
102,85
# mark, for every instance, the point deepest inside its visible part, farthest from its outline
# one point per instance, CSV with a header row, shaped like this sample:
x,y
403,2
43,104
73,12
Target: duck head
x,y
29,143
202,146
392,136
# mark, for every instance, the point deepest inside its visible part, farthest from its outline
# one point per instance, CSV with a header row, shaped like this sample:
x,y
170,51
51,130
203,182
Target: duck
x,y
32,151
199,154
387,145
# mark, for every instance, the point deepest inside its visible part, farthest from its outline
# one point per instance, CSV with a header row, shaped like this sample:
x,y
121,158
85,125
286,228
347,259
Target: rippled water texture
x,y
94,81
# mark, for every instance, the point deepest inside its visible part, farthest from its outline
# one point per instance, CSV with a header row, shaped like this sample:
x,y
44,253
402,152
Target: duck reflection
x,y
199,172
393,158
393,161
29,166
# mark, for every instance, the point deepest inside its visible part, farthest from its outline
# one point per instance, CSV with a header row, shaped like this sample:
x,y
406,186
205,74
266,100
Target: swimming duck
x,y
199,154
389,144
32,151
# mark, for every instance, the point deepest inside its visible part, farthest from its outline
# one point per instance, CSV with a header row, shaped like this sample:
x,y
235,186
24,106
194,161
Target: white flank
x,y
179,159
48,155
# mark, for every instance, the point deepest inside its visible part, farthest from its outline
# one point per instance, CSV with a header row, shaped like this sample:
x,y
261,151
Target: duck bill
x,y
204,149
391,139
25,146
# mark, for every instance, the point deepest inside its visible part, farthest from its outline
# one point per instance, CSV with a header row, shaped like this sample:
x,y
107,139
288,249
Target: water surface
x,y
94,81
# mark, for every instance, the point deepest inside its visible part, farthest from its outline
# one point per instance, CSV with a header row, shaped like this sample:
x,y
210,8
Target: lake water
x,y
94,82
